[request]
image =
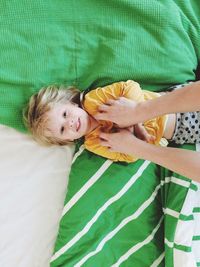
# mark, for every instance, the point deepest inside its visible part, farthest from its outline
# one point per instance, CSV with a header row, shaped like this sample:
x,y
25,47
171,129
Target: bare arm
x,y
184,100
125,112
181,161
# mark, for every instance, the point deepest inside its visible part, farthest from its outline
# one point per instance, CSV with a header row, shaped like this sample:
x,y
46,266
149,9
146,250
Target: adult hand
x,y
186,163
121,111
122,141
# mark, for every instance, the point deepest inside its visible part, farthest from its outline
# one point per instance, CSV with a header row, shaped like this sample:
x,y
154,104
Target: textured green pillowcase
x,y
92,43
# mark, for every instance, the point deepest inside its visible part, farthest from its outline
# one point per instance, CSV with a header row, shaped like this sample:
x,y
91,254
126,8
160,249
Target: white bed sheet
x,y
33,182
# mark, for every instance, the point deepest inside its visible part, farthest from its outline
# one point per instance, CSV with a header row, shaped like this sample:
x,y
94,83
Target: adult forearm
x,y
182,100
184,162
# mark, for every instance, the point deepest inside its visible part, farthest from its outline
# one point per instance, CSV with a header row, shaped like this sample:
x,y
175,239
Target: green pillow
x,y
90,43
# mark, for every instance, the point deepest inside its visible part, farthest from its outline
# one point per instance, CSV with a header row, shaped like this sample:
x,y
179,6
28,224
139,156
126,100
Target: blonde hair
x,y
39,104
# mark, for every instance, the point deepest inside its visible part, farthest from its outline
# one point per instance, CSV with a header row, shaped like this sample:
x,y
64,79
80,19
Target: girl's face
x,y
68,121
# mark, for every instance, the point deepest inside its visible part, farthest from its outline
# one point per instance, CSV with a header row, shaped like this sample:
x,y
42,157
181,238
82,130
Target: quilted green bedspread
x,y
115,214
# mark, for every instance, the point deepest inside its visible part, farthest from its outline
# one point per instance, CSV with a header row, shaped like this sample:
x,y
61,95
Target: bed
x,y
64,206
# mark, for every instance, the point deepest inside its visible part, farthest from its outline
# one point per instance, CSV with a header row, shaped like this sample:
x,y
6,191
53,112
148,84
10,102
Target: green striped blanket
x,y
115,214
127,215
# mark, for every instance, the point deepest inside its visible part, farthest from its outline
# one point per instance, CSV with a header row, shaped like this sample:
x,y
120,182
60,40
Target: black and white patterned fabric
x,y
187,129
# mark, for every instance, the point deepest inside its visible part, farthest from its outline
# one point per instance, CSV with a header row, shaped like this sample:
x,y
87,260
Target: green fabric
x,y
114,209
105,200
90,43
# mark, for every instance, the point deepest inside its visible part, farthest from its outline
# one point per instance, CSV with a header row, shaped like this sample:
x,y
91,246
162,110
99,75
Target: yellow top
x,y
101,95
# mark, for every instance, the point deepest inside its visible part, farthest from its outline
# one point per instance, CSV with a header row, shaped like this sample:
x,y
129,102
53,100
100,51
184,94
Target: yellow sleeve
x,y
155,126
101,95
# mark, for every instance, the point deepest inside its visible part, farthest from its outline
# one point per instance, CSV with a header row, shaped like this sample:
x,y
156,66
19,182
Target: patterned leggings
x,y
187,129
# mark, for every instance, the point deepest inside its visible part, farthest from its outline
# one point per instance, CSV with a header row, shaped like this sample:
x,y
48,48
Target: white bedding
x,y
33,180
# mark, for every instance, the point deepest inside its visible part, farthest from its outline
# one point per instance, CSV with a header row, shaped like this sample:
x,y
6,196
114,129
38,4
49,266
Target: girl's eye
x,y
65,114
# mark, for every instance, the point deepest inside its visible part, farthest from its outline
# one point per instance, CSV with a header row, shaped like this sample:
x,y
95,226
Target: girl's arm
x,y
182,161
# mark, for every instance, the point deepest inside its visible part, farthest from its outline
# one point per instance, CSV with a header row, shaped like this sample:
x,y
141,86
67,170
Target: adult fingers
x,y
111,102
130,129
104,140
103,107
104,136
152,138
101,116
104,143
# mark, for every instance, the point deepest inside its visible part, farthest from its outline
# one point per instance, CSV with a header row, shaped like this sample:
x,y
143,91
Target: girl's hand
x,y
141,133
121,111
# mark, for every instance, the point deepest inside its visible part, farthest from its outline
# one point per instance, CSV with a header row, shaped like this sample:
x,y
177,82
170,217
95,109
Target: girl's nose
x,y
70,123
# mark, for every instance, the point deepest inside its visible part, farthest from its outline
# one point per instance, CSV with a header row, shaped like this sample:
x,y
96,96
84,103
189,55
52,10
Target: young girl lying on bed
x,y
62,115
